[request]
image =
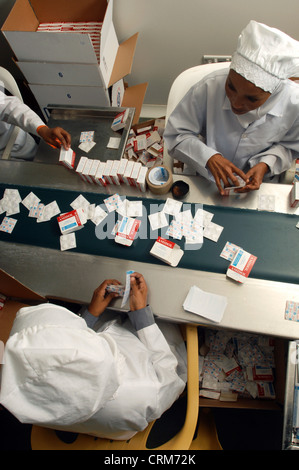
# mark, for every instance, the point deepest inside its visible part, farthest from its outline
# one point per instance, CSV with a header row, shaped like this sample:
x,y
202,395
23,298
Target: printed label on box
x,y
241,265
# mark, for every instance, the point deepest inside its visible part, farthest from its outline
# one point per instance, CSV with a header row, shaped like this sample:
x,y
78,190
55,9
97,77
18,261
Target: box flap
x,y
108,20
21,18
133,98
10,287
124,59
108,54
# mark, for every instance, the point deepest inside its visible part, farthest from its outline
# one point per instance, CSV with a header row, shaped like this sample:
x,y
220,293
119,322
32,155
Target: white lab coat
x,y
270,135
61,374
14,112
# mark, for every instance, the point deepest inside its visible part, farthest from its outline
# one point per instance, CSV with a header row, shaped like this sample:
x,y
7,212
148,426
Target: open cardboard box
x,y
20,29
58,64
18,296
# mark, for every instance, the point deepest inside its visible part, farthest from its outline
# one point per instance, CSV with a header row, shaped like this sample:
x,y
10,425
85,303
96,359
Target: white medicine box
x,y
69,44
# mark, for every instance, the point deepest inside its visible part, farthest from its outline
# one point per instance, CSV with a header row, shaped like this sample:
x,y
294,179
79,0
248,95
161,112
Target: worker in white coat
x,y
108,379
15,113
242,121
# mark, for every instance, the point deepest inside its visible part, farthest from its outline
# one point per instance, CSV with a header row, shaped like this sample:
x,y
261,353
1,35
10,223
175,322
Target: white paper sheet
x,y
205,304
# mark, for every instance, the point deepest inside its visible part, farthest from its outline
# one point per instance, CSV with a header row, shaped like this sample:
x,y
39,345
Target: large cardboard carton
x,y
62,67
20,29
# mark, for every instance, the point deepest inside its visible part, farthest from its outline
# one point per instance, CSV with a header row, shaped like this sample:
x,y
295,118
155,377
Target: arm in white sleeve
x,y
185,129
168,383
279,157
13,111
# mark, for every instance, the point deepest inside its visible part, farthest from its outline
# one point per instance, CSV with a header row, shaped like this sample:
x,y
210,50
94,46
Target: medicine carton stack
x,y
113,172
144,149
145,143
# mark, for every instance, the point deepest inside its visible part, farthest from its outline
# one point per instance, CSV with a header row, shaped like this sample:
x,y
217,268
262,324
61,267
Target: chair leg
x,y
206,437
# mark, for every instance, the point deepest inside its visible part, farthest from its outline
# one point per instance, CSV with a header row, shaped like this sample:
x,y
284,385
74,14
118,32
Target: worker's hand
x,y
101,298
255,178
138,293
225,171
55,136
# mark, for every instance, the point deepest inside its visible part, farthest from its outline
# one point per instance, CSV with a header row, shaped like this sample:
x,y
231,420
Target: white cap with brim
x,y
265,56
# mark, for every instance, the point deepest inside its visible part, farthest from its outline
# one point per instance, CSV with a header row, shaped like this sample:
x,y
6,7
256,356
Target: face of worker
x,y
243,95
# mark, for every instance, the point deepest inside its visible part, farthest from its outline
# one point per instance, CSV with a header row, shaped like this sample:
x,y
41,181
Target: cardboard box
x,y
241,265
113,173
127,230
135,172
141,180
71,221
86,170
120,120
18,296
64,67
127,174
93,170
167,251
80,167
121,169
294,195
99,178
106,172
30,45
67,158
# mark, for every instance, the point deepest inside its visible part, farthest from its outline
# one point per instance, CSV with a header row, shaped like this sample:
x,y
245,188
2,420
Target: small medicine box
x,y
294,195
241,265
127,230
71,221
167,251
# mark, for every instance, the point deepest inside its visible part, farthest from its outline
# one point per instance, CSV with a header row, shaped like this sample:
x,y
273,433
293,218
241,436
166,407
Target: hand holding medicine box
x,y
241,265
71,221
167,251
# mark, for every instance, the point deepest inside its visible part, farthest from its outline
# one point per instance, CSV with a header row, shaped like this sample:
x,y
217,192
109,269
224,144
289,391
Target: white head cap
x,y
265,56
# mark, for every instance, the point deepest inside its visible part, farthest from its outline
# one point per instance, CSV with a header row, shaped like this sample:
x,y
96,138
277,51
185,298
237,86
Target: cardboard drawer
x,y
70,96
45,73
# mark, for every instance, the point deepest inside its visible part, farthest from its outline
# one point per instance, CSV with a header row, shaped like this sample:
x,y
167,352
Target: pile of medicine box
x,y
145,143
63,68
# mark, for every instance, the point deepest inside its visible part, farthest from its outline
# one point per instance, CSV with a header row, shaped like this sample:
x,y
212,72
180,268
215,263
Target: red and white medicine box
x,y
167,251
120,120
294,195
127,230
67,158
241,265
71,221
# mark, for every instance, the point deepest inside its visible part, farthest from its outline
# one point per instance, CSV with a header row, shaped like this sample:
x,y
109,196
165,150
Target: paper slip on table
x,y
271,237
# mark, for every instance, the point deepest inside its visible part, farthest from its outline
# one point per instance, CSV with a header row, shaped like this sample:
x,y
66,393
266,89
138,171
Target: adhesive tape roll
x,y
159,179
